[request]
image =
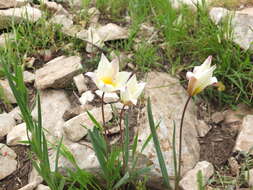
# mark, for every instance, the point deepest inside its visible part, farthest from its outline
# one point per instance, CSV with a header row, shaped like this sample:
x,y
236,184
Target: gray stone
x,y
7,122
189,181
18,14
74,127
86,97
85,158
218,13
81,83
202,128
16,115
8,164
4,4
54,103
108,97
56,8
244,141
62,20
167,109
42,187
7,91
5,38
58,73
17,134
28,77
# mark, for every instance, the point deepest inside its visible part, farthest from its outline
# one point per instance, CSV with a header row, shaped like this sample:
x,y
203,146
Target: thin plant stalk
x,y
103,118
180,143
121,132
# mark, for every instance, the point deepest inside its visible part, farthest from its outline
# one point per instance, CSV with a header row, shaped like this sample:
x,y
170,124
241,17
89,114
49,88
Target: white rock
x,y
251,177
86,97
17,134
202,128
56,8
54,103
34,176
83,34
93,38
42,187
83,154
8,164
7,122
191,3
4,4
112,31
99,35
94,15
218,13
62,20
28,77
5,37
80,83
7,91
18,14
168,98
189,181
16,115
7,152
74,127
108,97
241,22
244,140
58,72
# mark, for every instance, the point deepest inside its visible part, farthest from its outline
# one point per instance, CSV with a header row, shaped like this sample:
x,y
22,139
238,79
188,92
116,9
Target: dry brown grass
x,y
232,4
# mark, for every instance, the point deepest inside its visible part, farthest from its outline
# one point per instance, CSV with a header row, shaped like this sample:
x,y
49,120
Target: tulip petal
x,y
121,79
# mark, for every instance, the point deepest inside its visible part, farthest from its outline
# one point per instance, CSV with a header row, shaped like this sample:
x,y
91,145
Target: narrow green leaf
x,y
157,146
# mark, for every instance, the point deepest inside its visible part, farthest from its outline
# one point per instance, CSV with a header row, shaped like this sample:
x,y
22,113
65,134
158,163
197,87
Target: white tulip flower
x,y
107,76
132,91
201,77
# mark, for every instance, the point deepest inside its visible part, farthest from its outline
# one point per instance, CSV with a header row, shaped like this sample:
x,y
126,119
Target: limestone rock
x,y
62,20
241,22
28,77
217,117
74,127
112,31
191,3
17,134
16,115
7,91
6,37
18,14
6,124
54,103
202,128
8,164
189,181
251,178
166,110
94,14
244,140
4,4
218,13
72,112
42,187
56,8
34,176
81,83
86,97
58,72
108,97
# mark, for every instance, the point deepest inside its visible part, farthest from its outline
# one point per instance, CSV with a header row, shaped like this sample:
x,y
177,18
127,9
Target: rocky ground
x,y
215,142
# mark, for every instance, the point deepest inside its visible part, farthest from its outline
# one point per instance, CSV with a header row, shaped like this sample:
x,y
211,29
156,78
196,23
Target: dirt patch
x,y
19,178
217,146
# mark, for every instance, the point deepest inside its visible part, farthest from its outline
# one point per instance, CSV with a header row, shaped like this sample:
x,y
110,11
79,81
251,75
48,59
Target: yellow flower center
x,y
108,80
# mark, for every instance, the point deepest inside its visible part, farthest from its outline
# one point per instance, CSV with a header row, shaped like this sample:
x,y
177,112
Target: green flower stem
x,y
121,133
180,144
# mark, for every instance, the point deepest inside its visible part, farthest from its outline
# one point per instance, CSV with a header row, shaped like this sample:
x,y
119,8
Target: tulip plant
x,y
199,79
108,78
